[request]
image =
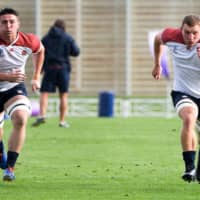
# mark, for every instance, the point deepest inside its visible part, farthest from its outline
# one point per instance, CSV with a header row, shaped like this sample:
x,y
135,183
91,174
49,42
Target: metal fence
x,y
88,107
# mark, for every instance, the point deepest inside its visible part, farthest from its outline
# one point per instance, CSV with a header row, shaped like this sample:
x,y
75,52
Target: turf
x,y
101,159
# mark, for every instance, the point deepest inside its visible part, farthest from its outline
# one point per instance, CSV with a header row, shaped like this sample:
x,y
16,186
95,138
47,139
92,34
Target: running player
x,y
15,47
183,44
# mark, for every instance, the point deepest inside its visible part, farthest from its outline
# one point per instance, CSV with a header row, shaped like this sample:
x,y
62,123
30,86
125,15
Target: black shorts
x,y
6,95
179,96
55,78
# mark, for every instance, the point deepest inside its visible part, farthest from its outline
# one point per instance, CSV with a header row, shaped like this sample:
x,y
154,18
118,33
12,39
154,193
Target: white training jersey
x,y
14,55
186,63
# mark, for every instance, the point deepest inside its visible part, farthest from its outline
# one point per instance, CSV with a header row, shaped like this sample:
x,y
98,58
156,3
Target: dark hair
x,y
60,24
5,11
191,20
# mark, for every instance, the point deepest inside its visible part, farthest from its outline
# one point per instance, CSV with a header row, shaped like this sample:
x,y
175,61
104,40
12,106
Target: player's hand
x,y
156,72
35,84
16,75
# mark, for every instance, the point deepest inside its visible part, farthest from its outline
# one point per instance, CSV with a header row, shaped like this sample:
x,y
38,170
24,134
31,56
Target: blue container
x,y
106,104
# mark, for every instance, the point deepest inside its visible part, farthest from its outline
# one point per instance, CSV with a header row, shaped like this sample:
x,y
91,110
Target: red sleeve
x,y
29,40
35,43
172,35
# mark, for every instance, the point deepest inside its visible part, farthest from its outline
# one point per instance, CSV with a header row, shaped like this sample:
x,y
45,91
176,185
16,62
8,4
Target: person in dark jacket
x,y
59,46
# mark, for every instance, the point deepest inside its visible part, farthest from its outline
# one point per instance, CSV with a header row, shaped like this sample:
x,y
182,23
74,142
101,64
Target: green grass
x,y
101,159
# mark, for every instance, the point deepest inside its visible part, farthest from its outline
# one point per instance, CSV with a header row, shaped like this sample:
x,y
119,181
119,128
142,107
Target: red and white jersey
x,y
186,63
15,55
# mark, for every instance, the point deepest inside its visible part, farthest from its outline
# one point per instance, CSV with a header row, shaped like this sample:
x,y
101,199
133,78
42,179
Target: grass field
x,y
101,159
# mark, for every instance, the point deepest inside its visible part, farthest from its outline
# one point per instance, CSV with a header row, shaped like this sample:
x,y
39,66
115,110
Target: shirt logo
x,y
19,92
24,53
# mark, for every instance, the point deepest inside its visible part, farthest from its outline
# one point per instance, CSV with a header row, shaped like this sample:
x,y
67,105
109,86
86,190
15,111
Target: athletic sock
x,y
198,163
12,158
189,158
1,147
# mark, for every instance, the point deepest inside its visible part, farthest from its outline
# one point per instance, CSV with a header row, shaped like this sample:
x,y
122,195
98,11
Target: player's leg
x,y
43,104
47,87
63,86
3,156
198,135
198,162
188,114
18,108
43,109
188,141
63,109
187,111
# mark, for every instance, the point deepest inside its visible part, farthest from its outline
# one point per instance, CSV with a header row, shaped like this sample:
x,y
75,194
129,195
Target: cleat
x,y
39,121
189,176
3,160
9,174
64,125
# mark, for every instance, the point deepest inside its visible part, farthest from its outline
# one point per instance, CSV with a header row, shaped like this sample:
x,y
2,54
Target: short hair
x,y
60,24
5,11
191,20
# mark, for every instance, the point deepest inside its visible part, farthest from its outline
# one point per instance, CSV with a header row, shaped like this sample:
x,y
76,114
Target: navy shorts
x,y
6,95
178,96
55,78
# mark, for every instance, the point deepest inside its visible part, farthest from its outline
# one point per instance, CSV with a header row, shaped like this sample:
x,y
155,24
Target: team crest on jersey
x,y
1,52
24,53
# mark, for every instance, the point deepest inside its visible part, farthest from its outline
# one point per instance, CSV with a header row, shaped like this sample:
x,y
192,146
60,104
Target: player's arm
x,y
158,51
3,76
16,76
38,59
74,50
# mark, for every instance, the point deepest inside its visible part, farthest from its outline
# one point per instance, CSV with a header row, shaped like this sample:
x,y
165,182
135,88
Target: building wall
x,y
149,16
100,29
